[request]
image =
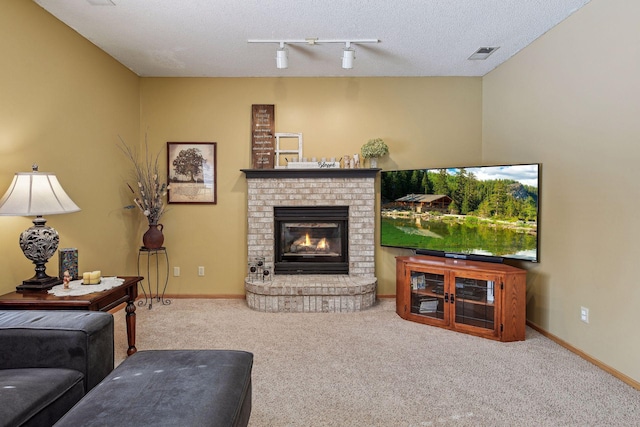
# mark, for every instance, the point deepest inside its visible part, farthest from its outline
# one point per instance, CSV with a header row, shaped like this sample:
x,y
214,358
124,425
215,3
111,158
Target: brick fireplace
x,y
274,188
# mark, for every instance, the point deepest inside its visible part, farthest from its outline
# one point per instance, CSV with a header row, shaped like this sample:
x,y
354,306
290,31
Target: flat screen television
x,y
484,212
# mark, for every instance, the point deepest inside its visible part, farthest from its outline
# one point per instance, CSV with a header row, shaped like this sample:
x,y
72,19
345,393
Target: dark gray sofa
x,y
49,360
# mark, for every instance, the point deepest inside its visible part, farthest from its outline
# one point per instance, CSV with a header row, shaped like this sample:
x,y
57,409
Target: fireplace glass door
x,y
311,241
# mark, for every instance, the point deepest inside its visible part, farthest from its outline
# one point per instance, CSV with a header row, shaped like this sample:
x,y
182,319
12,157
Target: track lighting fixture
x,y
348,54
282,58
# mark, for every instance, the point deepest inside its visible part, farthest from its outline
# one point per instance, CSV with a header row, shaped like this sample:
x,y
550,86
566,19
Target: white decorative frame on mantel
x,y
279,150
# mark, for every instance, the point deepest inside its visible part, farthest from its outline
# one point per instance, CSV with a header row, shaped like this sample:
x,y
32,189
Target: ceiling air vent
x,y
483,52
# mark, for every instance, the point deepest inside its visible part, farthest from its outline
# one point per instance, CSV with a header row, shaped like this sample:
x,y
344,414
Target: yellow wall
x,y
425,121
67,102
571,101
63,104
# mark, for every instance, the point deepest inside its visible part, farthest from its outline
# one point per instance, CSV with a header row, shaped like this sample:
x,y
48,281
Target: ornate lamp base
x,y
38,244
39,284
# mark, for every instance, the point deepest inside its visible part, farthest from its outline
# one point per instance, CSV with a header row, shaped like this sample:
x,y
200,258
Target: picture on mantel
x,y
262,136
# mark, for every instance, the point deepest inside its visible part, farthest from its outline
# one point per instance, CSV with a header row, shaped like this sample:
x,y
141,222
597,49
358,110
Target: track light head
x,y
348,55
282,57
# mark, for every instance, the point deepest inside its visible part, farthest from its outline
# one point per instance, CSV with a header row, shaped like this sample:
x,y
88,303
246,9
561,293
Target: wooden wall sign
x,y
262,136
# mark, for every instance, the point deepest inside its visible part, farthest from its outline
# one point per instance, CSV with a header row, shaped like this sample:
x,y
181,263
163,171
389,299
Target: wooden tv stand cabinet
x,y
479,298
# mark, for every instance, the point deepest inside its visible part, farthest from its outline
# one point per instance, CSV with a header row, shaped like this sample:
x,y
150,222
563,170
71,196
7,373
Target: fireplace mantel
x,y
311,173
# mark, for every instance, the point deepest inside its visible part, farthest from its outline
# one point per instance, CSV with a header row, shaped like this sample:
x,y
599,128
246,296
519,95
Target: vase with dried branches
x,y
149,192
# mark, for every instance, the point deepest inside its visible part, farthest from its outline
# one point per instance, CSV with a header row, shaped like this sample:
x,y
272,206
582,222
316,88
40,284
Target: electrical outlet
x,y
176,271
200,271
584,314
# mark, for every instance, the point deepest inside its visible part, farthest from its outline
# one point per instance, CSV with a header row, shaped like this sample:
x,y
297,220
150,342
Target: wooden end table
x,y
97,301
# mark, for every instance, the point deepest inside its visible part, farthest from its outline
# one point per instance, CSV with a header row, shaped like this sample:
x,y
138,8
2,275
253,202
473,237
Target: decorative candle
x,y
91,278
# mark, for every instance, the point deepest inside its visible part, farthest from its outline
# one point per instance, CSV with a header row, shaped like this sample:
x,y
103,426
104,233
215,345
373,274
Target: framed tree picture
x,y
191,167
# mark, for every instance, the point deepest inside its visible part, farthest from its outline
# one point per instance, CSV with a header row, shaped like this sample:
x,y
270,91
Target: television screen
x,y
484,212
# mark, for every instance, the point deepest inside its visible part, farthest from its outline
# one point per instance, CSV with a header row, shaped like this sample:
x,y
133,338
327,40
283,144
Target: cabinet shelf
x,y
478,298
429,293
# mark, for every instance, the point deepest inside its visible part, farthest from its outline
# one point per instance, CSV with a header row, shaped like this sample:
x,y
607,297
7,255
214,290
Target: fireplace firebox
x,y
311,240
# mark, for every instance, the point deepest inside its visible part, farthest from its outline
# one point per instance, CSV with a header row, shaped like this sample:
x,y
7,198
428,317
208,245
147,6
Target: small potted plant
x,y
373,149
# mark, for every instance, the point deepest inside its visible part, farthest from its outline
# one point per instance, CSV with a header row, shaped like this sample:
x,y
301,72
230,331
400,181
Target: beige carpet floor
x,y
374,369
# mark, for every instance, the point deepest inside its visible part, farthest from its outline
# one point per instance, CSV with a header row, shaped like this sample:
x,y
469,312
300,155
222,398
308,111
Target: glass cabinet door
x,y
427,294
474,302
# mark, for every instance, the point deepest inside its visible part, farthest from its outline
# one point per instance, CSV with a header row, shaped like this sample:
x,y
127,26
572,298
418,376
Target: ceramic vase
x,y
373,162
153,237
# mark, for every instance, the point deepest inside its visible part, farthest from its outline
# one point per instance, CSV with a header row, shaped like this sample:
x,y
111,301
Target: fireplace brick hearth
x,y
316,292
311,293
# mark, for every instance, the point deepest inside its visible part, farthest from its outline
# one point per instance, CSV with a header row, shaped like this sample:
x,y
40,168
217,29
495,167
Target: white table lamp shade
x,y
36,193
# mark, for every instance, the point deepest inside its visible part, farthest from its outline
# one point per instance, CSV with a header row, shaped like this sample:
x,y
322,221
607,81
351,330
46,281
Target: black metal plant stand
x,y
148,298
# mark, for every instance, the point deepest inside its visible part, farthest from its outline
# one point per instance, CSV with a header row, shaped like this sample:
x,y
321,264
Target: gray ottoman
x,y
170,388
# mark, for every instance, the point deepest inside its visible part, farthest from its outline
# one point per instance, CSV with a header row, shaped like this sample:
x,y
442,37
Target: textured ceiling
x,y
208,38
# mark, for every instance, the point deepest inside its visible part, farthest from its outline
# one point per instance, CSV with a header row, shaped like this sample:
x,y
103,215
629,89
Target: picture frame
x,y
68,261
191,170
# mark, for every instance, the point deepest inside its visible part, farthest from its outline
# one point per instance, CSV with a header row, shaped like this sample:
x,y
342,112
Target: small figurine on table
x,y
66,278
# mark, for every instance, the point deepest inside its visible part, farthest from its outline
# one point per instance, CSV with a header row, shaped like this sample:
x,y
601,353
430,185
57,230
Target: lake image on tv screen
x,y
490,210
